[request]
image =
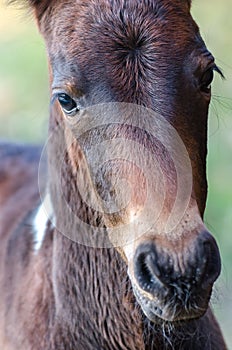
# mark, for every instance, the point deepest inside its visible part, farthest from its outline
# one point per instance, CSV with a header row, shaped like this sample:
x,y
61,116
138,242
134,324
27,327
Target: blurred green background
x,y
24,111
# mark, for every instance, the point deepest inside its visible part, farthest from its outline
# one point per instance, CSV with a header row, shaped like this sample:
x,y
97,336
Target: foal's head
x,y
143,61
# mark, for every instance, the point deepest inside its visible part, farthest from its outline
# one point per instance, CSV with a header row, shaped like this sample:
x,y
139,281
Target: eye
x,y
67,103
206,81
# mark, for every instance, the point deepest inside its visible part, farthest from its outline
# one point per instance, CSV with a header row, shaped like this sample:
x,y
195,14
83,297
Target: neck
x,y
91,287
92,292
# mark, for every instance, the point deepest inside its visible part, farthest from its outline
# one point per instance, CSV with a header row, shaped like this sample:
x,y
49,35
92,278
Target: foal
x,y
135,75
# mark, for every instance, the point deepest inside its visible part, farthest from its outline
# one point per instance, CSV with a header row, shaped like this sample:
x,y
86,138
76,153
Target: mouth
x,y
170,293
172,311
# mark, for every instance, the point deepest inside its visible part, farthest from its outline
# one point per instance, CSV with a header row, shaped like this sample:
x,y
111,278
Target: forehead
x,y
121,23
106,36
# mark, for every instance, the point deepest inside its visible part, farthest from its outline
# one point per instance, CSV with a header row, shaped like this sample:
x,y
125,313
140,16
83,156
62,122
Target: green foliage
x,y
23,78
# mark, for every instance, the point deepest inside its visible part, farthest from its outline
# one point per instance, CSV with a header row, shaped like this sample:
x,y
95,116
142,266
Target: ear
x,y
189,3
40,7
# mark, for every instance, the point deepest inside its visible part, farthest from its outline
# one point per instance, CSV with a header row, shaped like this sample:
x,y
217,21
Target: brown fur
x,y
69,296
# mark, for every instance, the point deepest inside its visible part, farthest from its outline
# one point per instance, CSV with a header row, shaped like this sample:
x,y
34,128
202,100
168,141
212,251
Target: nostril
x,y
212,260
146,269
142,270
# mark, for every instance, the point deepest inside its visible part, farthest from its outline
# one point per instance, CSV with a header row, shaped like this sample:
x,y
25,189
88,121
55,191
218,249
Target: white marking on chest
x,y
43,215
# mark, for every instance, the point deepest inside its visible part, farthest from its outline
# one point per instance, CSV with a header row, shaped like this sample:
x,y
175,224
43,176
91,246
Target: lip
x,y
156,311
151,309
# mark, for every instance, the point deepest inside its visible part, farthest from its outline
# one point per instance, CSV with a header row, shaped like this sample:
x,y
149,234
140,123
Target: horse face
x,y
148,54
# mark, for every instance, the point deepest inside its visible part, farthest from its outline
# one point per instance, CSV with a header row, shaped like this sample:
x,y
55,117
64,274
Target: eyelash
x,y
205,86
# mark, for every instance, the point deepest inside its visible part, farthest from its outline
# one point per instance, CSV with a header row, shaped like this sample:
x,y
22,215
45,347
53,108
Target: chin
x,y
168,311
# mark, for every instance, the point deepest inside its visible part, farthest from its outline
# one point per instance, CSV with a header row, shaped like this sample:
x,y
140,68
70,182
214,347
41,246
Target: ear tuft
x,y
39,6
